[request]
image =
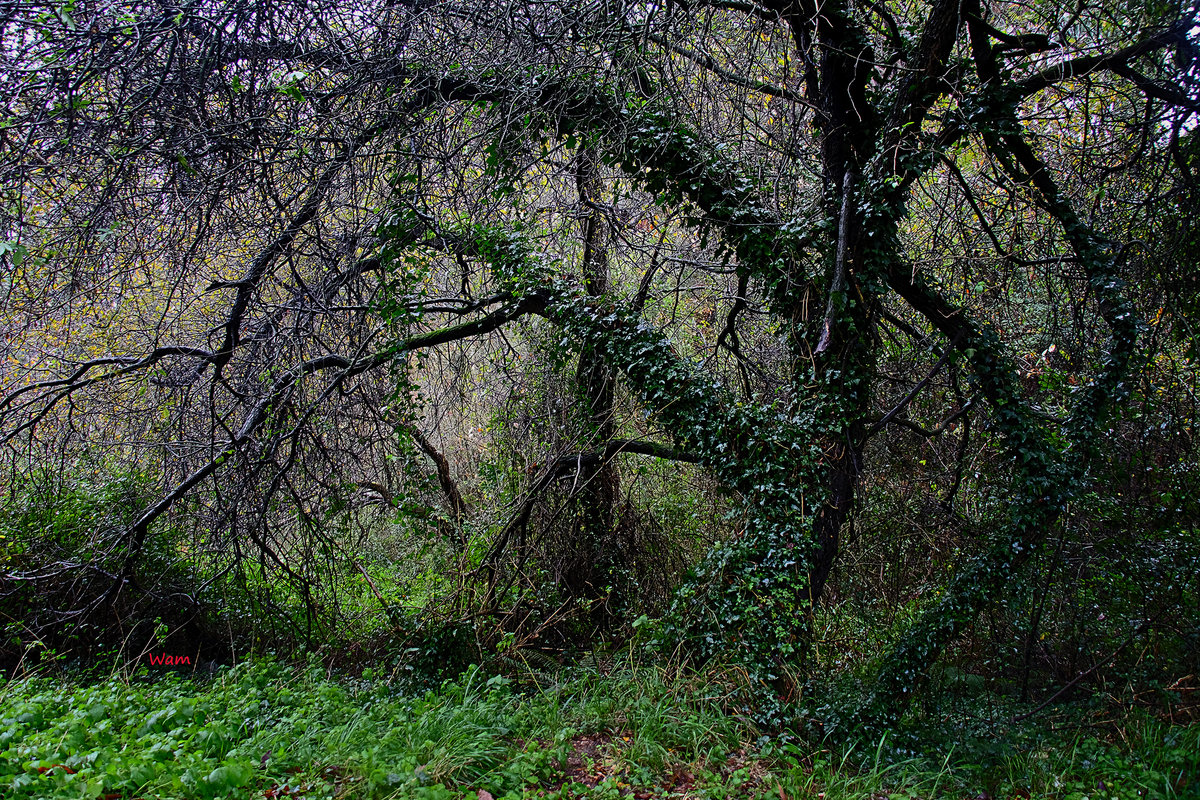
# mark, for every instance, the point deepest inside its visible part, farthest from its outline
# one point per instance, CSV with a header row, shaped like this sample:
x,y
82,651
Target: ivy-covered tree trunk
x,y
595,558
1047,474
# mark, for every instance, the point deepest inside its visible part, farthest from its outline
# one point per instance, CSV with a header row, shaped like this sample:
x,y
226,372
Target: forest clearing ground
x,y
263,729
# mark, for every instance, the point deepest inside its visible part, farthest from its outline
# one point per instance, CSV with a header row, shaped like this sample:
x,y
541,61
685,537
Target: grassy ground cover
x,y
269,730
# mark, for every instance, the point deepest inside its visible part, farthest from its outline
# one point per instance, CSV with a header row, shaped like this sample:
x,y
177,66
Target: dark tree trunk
x,y
596,550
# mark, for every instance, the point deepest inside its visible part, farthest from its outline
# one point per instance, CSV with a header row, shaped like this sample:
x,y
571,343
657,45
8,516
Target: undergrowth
x,y
266,729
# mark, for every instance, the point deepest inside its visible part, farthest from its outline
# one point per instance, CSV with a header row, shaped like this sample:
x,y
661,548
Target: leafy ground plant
x,y
264,729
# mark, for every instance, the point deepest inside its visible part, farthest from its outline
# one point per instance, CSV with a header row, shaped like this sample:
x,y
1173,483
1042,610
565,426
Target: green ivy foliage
x,y
750,594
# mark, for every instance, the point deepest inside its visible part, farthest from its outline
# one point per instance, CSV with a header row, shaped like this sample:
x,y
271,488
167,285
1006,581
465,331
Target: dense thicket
x,y
527,320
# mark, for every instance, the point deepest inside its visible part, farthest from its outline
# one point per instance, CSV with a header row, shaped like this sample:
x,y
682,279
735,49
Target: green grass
x,y
265,729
